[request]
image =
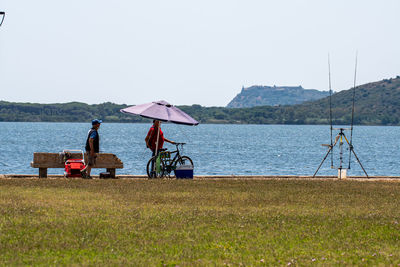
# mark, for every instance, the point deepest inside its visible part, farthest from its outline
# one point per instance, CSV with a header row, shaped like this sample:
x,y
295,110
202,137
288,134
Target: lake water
x,y
215,149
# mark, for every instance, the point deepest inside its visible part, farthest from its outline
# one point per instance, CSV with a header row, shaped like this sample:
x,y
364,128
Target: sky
x,y
190,52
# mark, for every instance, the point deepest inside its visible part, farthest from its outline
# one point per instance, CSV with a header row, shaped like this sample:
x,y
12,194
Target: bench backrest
x,y
53,160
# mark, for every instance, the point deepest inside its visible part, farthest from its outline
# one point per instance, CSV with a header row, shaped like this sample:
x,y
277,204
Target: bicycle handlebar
x,y
177,144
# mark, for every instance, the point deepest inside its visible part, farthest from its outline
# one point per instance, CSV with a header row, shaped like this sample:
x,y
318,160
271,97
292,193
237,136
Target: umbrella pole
x,y
158,137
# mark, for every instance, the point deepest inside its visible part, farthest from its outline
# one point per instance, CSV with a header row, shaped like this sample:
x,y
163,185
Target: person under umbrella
x,y
154,136
160,111
151,138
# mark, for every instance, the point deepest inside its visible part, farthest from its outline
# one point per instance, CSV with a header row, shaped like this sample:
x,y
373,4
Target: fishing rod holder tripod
x,y
341,137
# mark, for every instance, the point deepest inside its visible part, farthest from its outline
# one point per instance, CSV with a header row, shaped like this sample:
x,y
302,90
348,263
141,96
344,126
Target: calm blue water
x,y
215,149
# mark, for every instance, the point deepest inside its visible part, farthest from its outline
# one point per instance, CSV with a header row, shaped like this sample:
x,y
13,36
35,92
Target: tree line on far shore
x,y
376,103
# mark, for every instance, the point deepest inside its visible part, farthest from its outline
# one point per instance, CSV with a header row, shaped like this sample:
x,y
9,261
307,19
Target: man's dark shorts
x,y
91,159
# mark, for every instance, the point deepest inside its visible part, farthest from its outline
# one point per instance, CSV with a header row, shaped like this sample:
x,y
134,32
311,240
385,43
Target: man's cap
x,y
96,121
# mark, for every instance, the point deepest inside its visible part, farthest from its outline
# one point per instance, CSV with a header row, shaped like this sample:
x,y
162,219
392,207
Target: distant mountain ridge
x,y
274,96
376,103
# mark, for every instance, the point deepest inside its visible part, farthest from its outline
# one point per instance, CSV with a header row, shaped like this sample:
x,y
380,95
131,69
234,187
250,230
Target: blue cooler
x,y
184,172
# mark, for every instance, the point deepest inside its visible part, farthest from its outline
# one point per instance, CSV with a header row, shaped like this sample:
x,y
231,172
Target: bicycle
x,y
164,165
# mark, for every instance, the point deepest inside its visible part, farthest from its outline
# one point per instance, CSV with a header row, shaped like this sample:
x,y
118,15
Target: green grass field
x,y
200,222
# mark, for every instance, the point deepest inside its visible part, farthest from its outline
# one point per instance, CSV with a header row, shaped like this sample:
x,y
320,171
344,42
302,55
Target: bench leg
x,y
112,172
42,172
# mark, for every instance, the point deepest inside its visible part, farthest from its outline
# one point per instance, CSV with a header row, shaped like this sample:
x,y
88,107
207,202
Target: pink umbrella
x,y
162,111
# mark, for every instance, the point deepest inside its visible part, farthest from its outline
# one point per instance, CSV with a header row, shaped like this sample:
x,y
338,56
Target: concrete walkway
x,y
224,177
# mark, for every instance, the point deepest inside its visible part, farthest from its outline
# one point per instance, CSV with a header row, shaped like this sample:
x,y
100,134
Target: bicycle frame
x,y
165,156
169,163
164,163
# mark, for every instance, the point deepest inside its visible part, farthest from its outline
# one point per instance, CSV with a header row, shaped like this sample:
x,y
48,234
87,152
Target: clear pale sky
x,y
190,52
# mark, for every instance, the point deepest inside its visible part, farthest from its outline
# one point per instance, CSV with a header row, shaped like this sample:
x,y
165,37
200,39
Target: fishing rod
x,y
330,147
330,108
352,111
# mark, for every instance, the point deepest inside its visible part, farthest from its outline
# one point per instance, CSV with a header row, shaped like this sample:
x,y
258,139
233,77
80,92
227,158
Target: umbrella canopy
x,y
162,111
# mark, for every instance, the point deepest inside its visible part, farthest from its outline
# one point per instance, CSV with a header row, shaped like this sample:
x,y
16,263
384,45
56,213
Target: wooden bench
x,y
43,161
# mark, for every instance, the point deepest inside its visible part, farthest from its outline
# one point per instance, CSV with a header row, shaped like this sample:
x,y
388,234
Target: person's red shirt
x,y
153,138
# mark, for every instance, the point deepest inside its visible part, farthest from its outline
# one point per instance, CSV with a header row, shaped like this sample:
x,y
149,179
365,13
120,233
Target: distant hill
x,y
377,103
65,112
273,96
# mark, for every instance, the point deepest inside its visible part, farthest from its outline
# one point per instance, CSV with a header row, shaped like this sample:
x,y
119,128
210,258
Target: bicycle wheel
x,y
158,171
184,160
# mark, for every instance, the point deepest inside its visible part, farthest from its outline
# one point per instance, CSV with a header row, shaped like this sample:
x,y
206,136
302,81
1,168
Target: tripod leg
x,y
359,162
329,150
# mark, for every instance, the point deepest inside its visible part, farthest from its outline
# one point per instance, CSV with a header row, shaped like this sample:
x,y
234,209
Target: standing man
x,y
92,148
151,139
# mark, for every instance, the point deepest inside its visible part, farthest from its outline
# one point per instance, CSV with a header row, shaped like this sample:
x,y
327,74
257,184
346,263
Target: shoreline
x,y
216,177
